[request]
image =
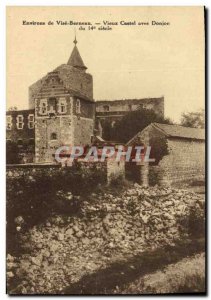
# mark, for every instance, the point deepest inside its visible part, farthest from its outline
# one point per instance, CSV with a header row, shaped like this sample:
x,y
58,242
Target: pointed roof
x,y
75,59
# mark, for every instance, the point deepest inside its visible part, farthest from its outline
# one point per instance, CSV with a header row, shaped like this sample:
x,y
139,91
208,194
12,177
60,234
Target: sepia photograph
x,y
105,150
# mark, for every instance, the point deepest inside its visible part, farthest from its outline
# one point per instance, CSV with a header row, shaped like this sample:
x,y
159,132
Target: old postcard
x,y
105,139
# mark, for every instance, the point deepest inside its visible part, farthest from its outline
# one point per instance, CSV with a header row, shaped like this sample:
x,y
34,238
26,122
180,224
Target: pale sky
x,y
126,62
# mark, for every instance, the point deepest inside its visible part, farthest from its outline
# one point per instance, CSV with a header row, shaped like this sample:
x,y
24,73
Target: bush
x,y
194,225
42,194
12,153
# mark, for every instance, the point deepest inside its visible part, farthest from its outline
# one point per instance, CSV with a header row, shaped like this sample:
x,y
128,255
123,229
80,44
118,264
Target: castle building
x,y
111,111
62,111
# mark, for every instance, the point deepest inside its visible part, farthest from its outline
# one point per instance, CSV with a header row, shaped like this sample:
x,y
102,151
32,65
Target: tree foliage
x,y
131,124
194,119
12,155
159,148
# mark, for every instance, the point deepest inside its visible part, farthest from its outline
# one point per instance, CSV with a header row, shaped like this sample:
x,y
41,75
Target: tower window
x,y
20,142
106,108
53,136
78,106
43,107
19,123
9,122
31,121
62,107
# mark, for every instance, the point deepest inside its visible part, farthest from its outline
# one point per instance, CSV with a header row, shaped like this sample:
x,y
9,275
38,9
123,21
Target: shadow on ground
x,y
104,281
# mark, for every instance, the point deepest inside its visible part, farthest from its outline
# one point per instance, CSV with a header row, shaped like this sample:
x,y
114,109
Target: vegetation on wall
x,y
159,148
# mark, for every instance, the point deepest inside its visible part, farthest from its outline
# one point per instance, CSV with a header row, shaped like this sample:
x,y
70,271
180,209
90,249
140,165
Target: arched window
x,y
78,106
53,136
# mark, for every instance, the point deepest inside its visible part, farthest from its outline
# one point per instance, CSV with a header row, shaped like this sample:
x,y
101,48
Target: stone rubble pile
x,y
109,228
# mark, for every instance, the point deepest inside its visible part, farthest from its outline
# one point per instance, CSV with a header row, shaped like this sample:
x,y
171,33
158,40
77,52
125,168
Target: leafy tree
x,y
194,119
135,121
107,130
12,155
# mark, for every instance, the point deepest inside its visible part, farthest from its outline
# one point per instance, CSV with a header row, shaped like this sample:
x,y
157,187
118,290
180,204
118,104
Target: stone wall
x,y
115,169
82,130
87,108
117,108
45,146
130,104
24,134
24,138
14,171
109,169
111,111
185,162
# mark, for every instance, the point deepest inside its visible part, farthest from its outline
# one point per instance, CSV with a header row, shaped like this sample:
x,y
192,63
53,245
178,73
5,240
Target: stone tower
x,y
64,108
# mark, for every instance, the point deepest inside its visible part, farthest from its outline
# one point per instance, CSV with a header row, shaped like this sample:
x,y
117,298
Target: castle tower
x,y
64,107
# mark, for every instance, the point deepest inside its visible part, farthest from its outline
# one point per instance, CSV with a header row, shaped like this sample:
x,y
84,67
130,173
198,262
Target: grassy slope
x,y
118,276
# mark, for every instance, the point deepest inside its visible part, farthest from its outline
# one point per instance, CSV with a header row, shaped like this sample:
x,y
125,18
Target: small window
x,y
20,142
43,107
106,108
62,106
9,122
53,136
130,107
31,121
8,141
20,122
78,106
